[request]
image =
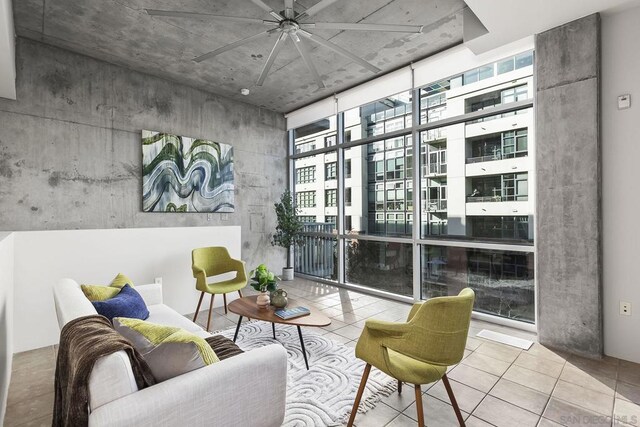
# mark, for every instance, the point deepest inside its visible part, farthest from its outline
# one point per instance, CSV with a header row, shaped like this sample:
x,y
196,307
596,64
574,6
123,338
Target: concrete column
x,y
568,162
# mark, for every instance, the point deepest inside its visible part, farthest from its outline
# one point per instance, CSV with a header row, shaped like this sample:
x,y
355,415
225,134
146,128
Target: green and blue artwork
x,y
182,174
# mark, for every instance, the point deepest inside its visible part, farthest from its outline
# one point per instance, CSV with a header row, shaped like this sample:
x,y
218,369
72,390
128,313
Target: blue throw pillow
x,y
128,303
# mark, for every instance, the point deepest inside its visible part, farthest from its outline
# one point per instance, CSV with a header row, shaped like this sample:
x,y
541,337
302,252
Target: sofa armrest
x,y
151,294
244,390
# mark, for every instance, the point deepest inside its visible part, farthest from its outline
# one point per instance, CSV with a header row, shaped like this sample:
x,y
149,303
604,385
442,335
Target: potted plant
x,y
288,230
263,281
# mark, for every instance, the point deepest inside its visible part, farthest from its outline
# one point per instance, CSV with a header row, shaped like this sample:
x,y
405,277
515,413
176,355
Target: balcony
x,y
316,256
496,156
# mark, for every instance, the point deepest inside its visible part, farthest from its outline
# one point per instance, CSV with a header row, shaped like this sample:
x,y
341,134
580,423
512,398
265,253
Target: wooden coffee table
x,y
247,307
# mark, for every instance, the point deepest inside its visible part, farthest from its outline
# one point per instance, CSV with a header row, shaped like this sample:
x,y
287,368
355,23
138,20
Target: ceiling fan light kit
x,y
292,25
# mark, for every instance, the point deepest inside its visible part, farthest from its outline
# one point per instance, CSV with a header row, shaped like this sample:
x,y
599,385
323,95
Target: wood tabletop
x,y
247,307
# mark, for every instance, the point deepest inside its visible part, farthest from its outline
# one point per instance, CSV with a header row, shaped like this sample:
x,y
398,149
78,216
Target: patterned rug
x,y
323,395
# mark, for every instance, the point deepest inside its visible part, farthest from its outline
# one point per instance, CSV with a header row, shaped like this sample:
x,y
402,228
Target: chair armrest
x,y
387,328
240,267
228,393
151,294
414,310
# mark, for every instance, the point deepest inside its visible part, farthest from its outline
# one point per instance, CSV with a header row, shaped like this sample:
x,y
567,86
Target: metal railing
x,y
316,257
435,206
488,199
496,156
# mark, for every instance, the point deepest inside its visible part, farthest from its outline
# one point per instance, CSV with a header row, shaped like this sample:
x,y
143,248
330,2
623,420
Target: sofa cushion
x,y
169,351
128,303
102,293
163,315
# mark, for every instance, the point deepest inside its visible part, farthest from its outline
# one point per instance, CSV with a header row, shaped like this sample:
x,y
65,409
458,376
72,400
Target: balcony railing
x,y
496,156
488,199
437,205
437,168
316,257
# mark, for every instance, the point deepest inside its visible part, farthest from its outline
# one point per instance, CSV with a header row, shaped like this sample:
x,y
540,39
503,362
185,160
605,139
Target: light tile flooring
x,y
495,384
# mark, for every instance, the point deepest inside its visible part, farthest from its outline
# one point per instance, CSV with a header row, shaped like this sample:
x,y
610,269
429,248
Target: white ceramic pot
x,y
263,300
287,274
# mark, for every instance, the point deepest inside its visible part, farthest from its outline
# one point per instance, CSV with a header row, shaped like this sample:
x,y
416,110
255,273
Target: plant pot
x,y
287,274
263,300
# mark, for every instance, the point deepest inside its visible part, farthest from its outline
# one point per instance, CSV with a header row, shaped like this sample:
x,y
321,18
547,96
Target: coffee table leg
x,y
304,352
273,326
237,329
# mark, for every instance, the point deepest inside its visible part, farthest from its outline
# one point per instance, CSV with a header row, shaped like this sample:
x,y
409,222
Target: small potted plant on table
x,y
288,230
263,281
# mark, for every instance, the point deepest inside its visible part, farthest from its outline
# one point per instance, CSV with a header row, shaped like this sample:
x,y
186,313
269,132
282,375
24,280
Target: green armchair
x,y
212,261
420,350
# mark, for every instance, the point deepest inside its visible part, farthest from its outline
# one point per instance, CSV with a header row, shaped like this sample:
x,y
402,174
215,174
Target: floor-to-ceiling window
x,y
427,191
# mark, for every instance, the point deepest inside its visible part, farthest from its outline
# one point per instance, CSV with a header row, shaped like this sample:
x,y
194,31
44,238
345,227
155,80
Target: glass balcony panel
x,y
502,280
380,265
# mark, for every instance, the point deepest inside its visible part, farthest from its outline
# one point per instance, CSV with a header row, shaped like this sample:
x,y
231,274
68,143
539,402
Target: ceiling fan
x,y
291,24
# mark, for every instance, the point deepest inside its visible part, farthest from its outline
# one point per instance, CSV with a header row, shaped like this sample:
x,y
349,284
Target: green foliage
x,y
289,226
263,280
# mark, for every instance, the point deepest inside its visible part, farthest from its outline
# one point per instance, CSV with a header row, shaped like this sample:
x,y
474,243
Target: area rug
x,y
323,395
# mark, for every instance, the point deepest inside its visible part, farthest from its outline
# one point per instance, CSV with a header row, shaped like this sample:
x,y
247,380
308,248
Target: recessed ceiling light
x,y
244,91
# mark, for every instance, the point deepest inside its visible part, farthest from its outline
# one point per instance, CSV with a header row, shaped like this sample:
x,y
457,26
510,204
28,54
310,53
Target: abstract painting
x,y
182,174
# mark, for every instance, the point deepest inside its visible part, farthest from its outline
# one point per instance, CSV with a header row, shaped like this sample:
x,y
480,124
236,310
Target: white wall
x,y
6,317
620,196
7,52
96,256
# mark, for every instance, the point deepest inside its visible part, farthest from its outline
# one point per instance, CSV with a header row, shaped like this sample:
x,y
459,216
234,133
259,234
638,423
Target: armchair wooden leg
x,y
210,311
399,387
224,296
195,316
419,406
452,398
363,383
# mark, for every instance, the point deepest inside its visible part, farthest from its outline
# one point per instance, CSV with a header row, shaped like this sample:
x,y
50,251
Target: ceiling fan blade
x,y
271,59
288,9
315,8
364,27
267,9
200,15
230,46
302,50
326,43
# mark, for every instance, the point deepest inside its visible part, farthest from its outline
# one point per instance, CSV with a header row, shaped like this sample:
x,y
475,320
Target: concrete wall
x,y
6,318
620,203
70,154
568,224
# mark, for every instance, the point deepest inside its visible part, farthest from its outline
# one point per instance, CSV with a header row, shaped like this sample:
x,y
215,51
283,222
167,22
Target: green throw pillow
x,y
169,351
103,293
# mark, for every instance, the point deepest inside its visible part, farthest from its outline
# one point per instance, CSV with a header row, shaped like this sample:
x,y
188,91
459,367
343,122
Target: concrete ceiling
x,y
119,31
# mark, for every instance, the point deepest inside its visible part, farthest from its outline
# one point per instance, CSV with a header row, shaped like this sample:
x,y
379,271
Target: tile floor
x,y
496,385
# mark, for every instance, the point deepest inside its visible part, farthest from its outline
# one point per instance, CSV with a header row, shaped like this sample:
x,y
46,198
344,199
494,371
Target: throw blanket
x,y
82,342
223,347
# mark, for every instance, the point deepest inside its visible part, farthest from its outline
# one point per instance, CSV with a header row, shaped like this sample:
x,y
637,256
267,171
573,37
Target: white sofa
x,y
244,390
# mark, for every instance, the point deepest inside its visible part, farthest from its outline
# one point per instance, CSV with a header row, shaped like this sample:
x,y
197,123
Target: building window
x,y
330,141
307,218
306,199
500,146
330,199
347,196
347,168
330,171
306,175
330,219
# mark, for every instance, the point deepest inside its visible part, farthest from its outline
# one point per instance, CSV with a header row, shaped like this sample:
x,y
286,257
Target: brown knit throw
x,y
82,342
